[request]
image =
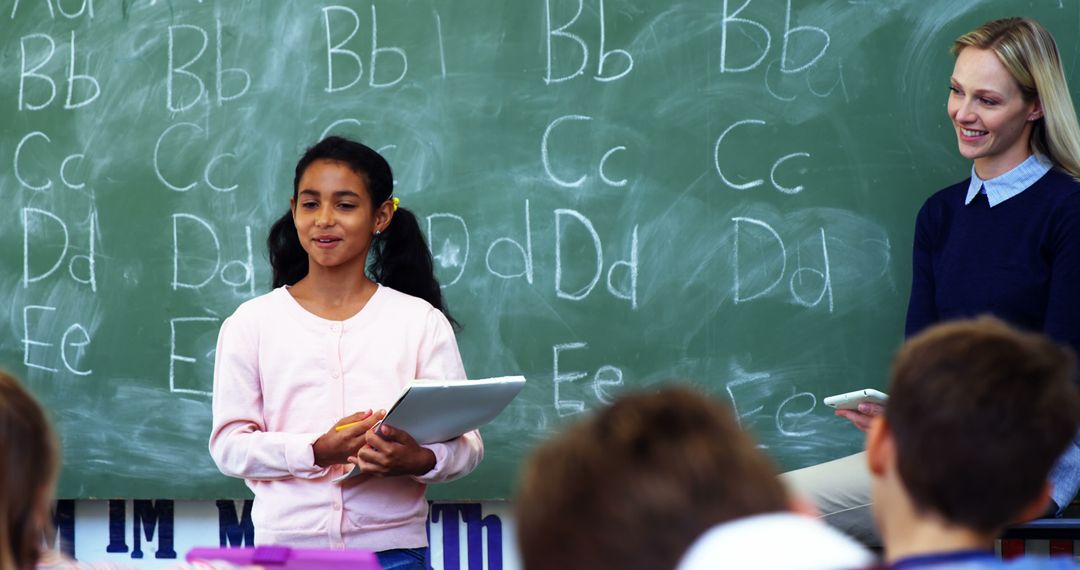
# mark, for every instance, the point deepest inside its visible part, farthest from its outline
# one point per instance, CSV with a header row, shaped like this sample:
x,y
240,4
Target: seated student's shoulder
x,y
984,562
1041,563
750,542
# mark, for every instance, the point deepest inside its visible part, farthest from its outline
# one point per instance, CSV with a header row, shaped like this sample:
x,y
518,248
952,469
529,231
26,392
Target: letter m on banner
x,y
234,530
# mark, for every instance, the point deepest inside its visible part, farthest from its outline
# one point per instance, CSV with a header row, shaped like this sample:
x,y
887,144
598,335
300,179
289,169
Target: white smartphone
x,y
851,400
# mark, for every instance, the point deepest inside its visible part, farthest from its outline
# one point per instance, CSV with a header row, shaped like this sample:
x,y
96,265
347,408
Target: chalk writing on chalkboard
x,y
615,195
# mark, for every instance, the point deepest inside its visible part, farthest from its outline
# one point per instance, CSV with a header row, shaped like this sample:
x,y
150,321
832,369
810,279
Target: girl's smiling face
x,y
333,214
993,122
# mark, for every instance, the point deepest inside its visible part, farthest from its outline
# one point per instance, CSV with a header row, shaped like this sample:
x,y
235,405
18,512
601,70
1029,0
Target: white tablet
x,y
851,400
438,410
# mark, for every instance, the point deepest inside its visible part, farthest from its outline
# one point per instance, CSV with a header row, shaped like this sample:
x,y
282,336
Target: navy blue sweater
x,y
1019,260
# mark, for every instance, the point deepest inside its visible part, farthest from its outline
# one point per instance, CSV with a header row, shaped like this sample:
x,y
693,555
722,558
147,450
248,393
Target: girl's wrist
x,y
320,456
429,462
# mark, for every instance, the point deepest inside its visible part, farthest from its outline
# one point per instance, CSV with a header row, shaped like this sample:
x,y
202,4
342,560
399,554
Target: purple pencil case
x,y
273,557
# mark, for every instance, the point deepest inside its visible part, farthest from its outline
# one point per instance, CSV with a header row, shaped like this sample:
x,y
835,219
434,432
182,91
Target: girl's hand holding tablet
x,y
336,446
391,452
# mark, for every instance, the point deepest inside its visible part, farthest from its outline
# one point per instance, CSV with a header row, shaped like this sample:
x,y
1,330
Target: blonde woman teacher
x,y
1005,241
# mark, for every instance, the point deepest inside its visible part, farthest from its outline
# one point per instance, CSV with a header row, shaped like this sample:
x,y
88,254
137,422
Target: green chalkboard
x,y
616,193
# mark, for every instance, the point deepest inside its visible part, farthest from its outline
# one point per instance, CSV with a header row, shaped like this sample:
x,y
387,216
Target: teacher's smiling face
x,y
993,122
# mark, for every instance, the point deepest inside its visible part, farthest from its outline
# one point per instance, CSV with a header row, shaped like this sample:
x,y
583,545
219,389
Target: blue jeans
x,y
404,559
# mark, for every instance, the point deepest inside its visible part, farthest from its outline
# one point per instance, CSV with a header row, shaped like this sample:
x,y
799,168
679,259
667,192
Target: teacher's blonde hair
x,y
1030,54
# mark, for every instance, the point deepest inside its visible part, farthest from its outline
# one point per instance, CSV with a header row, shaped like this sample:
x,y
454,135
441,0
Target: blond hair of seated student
x,y
637,484
978,413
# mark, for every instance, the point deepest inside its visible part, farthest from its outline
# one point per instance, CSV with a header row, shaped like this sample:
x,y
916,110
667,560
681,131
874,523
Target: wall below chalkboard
x,y
158,533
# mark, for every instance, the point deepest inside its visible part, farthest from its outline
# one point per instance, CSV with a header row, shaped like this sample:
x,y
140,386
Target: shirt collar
x,y
942,559
1013,182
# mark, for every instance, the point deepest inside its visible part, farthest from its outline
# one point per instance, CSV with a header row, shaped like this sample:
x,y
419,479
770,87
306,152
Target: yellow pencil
x,y
348,425
351,424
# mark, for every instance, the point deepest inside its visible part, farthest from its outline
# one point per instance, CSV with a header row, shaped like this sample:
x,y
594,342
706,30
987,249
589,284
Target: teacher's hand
x,y
390,452
862,417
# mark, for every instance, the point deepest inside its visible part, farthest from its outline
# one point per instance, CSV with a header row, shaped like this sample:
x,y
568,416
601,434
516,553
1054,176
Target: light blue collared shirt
x,y
1013,182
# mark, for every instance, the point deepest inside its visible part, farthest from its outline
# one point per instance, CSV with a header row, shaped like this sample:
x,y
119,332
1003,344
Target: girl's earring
x,y
378,233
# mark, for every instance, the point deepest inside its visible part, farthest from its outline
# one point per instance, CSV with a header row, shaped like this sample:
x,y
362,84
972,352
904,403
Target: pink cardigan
x,y
284,376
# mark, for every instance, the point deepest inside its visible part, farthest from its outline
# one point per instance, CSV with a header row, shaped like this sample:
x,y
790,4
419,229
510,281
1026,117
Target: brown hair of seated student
x,y
29,461
633,485
979,412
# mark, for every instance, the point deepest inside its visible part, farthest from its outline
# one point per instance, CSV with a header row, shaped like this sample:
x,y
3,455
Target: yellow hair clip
x,y
396,201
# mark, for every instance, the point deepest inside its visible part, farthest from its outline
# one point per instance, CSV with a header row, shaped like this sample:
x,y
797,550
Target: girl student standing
x,y
336,335
1004,241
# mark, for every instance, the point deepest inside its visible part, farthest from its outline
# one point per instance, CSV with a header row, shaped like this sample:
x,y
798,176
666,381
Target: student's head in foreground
x,y
29,461
633,485
978,413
